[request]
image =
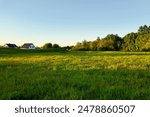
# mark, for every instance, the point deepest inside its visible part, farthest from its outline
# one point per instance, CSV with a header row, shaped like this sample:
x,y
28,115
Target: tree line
x,y
134,41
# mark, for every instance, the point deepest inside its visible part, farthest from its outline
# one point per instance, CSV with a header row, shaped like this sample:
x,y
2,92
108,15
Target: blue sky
x,y
66,22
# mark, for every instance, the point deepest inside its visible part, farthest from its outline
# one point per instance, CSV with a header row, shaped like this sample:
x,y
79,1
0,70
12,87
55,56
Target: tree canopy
x,y
134,41
144,29
47,46
50,45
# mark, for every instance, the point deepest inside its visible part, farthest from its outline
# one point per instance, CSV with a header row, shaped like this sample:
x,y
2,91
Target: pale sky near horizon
x,y
66,22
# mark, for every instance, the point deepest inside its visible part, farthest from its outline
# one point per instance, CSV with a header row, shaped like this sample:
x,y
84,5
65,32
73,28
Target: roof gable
x,y
11,45
27,45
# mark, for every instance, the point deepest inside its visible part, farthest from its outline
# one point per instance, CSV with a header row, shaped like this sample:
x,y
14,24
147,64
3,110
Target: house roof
x,y
26,45
11,45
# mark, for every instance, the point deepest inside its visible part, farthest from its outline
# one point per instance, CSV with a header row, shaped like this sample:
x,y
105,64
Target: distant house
x,y
28,46
9,45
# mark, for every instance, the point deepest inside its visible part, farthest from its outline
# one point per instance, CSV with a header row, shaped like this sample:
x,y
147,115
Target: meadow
x,y
46,74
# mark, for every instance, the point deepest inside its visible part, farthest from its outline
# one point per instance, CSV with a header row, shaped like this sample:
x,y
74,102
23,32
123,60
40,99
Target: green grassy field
x,y
40,74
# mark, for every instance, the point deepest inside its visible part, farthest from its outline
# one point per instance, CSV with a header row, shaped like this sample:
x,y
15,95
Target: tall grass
x,y
74,75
